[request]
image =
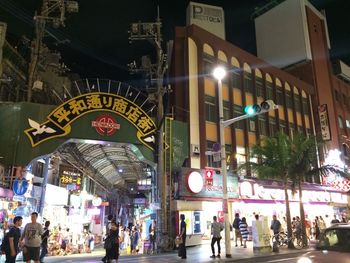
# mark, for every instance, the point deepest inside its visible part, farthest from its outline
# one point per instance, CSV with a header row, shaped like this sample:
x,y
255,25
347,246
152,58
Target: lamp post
x,y
219,73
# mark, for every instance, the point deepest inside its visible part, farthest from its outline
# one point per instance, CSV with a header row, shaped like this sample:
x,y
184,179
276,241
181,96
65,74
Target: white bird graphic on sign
x,y
40,129
149,139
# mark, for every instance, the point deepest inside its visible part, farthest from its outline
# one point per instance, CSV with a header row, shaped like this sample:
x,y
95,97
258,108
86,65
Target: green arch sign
x,y
60,119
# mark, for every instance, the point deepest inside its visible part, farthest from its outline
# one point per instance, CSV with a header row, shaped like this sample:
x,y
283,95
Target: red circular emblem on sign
x,y
106,124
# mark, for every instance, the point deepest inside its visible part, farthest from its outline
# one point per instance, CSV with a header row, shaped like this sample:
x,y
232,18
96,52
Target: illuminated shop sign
x,y
71,180
195,182
208,183
60,119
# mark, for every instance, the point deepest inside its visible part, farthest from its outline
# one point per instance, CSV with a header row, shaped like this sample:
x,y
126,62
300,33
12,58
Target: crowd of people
x,y
36,241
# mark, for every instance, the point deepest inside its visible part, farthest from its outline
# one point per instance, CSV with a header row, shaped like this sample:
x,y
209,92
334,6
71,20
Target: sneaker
x,y
245,246
236,245
218,256
213,256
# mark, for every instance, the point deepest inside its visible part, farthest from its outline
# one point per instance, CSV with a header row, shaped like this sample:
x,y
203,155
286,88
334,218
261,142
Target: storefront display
x,y
247,198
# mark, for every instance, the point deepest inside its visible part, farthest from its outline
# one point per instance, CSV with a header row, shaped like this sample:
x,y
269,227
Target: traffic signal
x,y
252,109
255,109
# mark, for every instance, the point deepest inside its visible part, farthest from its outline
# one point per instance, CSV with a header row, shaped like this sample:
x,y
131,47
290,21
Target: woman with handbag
x,y
112,243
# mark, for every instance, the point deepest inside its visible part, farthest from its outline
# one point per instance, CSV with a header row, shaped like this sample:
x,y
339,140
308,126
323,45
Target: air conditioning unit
x,y
38,85
195,149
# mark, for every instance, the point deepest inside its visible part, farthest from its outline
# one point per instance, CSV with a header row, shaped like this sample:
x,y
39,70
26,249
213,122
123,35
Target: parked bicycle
x,y
299,241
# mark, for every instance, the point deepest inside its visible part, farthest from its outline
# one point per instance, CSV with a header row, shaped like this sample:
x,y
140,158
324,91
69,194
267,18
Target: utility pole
x,y
152,32
53,12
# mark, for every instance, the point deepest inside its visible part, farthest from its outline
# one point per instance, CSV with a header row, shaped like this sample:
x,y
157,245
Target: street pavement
x,y
200,253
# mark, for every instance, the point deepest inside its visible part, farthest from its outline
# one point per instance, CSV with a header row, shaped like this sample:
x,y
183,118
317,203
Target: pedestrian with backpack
x,y
235,226
10,244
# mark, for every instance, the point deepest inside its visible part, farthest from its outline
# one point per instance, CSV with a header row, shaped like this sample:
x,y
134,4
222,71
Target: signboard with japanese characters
x,y
61,118
71,180
324,122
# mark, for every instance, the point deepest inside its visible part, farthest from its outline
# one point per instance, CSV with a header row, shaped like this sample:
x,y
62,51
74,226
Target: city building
x,y
249,80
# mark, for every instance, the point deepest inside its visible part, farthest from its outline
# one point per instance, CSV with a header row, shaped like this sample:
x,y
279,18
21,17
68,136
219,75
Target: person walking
x,y
235,226
112,243
32,239
243,228
44,241
182,246
10,244
135,241
152,235
108,228
216,228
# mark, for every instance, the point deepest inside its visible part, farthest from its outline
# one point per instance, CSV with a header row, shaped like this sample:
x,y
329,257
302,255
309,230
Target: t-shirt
x,y
183,229
16,234
216,228
32,234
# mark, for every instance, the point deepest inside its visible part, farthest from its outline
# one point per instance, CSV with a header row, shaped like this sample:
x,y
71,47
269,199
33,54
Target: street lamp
x,y
219,73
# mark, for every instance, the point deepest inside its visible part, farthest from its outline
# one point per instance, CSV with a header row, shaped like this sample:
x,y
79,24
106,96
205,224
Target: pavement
x,y
199,253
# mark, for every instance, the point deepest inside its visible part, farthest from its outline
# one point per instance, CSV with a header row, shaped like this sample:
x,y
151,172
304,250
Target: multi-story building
x,y
249,80
303,51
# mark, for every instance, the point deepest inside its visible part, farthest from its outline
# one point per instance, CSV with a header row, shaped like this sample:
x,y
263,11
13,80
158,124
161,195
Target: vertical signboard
x,y
324,122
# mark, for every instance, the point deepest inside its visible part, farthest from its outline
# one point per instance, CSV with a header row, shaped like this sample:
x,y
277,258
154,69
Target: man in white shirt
x,y
32,239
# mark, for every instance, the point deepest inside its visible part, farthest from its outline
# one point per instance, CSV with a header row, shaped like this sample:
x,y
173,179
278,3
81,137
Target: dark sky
x,y
94,42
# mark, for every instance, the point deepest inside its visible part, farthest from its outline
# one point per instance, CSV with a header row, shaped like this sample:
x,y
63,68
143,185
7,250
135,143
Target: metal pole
x,y
43,186
224,174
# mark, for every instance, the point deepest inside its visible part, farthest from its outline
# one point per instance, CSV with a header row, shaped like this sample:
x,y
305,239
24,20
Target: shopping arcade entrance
x,y
104,131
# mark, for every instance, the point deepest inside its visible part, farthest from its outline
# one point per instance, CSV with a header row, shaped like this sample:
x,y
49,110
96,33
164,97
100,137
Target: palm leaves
x,y
289,160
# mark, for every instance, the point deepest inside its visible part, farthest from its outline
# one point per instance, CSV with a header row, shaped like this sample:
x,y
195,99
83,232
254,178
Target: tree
x,y
273,155
303,166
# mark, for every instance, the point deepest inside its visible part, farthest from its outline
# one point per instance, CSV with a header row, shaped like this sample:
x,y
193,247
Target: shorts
x,y
238,233
31,253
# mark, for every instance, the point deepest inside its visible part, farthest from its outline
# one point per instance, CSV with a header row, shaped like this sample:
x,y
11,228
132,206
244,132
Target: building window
x,y
210,109
340,122
208,65
248,83
236,78
238,111
283,127
347,122
279,94
305,106
297,102
272,126
345,101
269,91
210,160
226,110
262,125
251,125
259,87
289,99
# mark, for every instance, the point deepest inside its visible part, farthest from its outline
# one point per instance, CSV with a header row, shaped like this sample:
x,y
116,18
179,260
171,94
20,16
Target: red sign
x,y
343,185
221,216
105,124
224,206
209,175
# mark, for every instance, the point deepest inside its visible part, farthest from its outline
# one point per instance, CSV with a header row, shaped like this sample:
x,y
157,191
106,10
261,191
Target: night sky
x,y
95,43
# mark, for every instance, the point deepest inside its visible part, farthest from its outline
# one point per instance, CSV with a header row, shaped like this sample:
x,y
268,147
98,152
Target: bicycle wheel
x,y
279,239
301,242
